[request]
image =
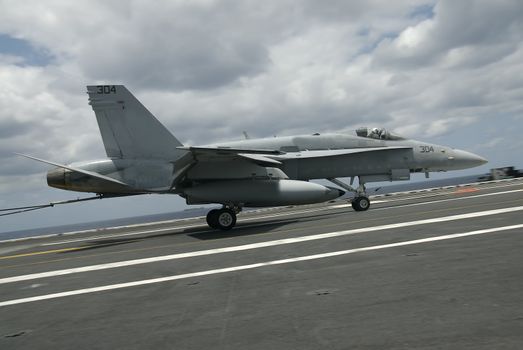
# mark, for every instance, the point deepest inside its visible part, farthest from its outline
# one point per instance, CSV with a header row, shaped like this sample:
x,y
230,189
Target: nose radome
x,y
467,159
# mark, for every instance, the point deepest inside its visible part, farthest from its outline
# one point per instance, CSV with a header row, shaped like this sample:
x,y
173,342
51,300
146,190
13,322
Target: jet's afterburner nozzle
x,y
56,178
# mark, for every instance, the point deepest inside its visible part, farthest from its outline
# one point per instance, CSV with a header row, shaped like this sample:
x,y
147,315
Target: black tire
x,y
361,203
225,219
212,218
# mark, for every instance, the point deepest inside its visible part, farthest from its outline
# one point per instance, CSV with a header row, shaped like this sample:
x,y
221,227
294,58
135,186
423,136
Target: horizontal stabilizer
x,y
68,167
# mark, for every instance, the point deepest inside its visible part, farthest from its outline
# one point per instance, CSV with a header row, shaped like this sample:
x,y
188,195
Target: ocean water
x,y
195,212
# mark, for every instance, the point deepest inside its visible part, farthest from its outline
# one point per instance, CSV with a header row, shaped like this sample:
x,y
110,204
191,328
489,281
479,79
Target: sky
x,y
447,72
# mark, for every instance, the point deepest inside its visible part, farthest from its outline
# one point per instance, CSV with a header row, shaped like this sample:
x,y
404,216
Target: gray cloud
x,y
480,31
445,71
177,51
10,129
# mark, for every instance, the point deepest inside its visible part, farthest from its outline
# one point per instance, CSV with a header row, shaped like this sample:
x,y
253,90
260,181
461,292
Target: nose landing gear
x,y
361,202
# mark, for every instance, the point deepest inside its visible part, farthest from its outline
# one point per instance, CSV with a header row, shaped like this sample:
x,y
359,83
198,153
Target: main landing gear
x,y
224,218
361,201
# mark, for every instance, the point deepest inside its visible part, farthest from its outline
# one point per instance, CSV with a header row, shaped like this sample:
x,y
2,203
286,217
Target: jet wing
x,y
268,157
334,152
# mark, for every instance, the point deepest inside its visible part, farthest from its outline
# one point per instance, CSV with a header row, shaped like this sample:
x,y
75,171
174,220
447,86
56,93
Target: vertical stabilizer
x,y
128,129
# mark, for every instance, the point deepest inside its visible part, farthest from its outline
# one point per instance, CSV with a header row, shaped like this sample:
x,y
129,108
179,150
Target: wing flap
x,y
259,158
228,151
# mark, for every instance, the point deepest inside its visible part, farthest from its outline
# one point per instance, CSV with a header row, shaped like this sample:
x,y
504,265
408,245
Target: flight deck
x,y
431,269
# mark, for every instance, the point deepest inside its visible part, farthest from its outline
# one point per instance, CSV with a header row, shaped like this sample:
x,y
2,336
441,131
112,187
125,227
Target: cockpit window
x,y
378,134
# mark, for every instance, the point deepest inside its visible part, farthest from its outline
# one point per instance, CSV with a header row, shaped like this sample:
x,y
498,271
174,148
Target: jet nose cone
x,y
464,159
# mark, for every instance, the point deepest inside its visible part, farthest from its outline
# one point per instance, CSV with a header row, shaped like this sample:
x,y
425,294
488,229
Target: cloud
x,y
465,34
443,71
179,45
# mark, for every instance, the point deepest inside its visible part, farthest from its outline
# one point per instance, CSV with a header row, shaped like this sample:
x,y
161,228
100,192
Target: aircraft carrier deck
x,y
440,269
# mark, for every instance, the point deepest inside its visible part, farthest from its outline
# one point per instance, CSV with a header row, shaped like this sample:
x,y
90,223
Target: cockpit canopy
x,y
378,134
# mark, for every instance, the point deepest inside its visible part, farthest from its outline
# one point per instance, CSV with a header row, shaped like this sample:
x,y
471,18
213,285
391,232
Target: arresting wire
x,y
18,210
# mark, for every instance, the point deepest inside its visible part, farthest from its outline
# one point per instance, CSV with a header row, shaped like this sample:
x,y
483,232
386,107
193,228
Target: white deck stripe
x,y
448,199
254,245
253,266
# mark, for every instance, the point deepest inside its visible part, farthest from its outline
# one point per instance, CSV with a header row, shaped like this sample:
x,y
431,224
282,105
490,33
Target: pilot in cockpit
x,y
375,133
378,133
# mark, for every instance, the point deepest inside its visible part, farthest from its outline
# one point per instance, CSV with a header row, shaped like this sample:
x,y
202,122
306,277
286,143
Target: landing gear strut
x,y
361,201
224,218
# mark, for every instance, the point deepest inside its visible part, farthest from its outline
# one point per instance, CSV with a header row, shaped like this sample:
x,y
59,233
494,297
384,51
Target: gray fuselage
x,y
395,160
415,157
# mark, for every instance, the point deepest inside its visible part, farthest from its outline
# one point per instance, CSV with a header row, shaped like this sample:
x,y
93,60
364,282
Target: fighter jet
x,y
144,157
